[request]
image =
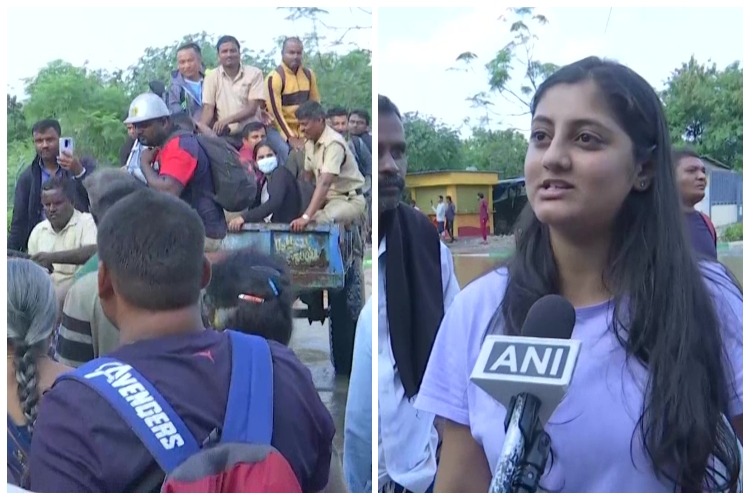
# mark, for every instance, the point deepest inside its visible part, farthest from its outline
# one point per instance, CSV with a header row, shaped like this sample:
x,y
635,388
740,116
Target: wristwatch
x,y
305,216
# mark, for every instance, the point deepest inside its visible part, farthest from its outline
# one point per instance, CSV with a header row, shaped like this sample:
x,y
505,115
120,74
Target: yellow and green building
x,y
462,186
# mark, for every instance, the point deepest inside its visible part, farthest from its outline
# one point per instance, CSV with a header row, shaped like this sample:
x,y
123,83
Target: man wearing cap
x,y
177,164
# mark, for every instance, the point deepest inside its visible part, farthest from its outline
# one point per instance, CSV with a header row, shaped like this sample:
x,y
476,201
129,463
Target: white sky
x,y
115,37
418,45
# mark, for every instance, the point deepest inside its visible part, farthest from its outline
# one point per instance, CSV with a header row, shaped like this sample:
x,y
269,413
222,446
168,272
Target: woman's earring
x,y
643,184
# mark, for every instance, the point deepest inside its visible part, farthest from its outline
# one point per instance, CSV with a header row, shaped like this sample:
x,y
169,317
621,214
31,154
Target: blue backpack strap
x,y
249,414
139,404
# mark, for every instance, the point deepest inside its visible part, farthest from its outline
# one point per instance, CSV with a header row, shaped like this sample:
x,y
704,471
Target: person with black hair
x,y
288,86
338,121
338,195
85,332
48,162
234,95
250,292
66,239
151,274
280,197
692,182
252,134
359,125
186,87
659,377
416,284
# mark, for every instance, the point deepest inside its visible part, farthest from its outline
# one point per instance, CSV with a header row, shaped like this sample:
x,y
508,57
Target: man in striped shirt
x,y
86,333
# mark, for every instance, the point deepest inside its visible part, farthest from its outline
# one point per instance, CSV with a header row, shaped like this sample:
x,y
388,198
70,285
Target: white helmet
x,y
146,107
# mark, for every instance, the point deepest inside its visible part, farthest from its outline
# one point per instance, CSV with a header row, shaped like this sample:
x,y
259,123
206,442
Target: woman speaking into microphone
x,y
659,376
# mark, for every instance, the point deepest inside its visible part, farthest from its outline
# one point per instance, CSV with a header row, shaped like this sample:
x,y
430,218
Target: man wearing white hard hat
x,y
176,164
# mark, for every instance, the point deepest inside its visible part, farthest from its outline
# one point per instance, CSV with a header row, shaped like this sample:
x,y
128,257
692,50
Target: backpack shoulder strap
x,y
710,225
249,413
146,411
282,74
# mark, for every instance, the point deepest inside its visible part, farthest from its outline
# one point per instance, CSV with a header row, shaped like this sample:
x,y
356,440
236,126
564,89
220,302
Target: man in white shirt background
x,y
440,214
416,284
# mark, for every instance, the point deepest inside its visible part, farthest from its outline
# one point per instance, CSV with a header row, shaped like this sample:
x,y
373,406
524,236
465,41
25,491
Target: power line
x,y
608,16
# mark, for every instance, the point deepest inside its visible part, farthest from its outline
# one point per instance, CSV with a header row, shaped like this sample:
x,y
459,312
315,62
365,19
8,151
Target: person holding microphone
x,y
655,402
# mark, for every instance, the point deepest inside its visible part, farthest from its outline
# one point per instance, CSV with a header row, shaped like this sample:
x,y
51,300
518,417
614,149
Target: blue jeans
x,y
277,142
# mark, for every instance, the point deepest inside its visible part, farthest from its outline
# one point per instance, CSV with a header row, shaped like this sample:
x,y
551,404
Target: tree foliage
x,y
17,127
501,151
704,109
517,55
91,105
432,145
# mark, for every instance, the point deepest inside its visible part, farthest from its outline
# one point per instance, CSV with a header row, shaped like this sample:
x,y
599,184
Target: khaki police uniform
x,y
344,202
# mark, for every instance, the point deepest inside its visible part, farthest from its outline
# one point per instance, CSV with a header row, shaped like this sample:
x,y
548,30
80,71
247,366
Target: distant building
x,y
723,201
462,186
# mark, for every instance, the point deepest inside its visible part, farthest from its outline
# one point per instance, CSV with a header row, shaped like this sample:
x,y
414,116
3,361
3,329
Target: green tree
x,y
704,109
501,151
90,106
431,145
18,130
517,55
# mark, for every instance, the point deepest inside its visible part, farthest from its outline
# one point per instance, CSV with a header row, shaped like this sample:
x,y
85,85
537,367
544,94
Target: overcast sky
x,y
113,38
416,46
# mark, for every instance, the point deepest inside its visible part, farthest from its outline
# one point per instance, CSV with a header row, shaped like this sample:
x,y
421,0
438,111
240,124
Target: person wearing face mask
x,y
280,200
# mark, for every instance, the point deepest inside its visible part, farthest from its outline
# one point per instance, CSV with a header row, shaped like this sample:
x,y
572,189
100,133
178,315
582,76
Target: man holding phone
x,y
48,162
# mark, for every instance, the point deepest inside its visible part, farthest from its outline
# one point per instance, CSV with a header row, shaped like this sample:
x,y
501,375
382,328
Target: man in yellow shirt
x,y
288,86
66,239
338,181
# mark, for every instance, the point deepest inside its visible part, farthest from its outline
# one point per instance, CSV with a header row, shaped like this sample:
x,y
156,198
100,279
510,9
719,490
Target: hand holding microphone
x,y
529,375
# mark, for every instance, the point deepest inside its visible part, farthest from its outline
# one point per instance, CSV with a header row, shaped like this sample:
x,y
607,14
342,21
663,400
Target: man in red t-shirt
x,y
177,165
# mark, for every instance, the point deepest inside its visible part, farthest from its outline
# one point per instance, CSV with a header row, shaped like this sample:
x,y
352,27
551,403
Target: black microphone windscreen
x,y
551,317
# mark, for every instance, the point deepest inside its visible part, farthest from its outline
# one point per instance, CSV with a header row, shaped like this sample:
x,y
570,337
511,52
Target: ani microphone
x,y
529,375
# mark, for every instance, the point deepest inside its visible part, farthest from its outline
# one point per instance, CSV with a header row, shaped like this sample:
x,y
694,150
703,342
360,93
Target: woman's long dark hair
x,y
663,313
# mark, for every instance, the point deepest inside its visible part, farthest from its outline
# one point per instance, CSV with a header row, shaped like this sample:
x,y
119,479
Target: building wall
x,y
723,200
723,215
462,187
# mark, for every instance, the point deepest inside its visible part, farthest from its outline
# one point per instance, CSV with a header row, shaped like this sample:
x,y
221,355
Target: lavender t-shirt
x,y
592,428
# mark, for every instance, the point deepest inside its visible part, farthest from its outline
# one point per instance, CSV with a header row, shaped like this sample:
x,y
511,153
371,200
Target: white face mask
x,y
268,165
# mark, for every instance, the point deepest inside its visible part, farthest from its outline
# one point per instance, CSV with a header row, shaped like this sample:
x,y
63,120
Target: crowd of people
x,y
125,266
655,403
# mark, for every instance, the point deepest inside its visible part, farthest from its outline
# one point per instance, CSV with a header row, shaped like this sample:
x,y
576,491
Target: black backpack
x,y
234,187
